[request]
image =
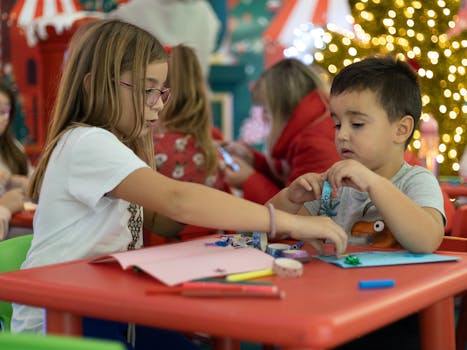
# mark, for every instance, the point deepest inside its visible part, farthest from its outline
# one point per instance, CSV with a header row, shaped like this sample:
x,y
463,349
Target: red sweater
x,y
305,145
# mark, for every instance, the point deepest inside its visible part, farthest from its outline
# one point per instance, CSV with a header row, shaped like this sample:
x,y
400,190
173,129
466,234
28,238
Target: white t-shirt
x,y
75,218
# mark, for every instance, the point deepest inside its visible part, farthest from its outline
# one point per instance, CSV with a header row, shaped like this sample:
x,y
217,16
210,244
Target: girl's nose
x,y
159,105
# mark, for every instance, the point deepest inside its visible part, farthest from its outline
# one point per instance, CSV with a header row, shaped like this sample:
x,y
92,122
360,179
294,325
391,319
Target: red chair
x,y
459,225
459,244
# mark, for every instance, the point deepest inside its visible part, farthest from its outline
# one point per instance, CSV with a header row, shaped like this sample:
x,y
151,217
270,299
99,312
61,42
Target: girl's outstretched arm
x,y
200,205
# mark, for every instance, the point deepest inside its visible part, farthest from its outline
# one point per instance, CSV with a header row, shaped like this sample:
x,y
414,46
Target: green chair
x,y
24,341
12,254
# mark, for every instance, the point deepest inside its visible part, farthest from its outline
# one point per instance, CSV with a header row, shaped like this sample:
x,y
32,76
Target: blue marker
x,y
372,284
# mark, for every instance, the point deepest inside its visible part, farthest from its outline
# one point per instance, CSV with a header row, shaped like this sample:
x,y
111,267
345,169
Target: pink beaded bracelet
x,y
272,220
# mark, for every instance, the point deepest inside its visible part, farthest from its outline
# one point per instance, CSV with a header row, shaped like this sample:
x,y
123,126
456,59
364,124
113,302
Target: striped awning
x,y
321,13
33,16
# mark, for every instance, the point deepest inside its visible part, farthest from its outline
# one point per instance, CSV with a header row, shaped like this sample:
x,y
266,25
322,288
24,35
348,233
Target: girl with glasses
x,y
14,164
96,172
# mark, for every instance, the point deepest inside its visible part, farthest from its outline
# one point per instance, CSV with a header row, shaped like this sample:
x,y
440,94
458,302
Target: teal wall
x,y
246,24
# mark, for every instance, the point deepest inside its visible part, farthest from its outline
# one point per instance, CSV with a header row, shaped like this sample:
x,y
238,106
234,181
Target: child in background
x,y
301,137
380,199
93,178
184,147
14,164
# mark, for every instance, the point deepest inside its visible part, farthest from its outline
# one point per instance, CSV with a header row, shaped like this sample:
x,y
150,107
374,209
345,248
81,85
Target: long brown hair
x,y
282,86
188,110
11,152
101,50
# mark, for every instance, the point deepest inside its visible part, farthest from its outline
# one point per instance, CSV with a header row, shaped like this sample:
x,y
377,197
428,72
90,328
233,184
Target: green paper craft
x,y
380,258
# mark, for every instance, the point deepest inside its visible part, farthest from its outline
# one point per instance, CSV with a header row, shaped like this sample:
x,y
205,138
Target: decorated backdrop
x,y
430,35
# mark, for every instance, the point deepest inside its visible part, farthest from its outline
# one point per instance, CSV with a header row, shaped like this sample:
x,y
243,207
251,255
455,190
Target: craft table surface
x,y
321,309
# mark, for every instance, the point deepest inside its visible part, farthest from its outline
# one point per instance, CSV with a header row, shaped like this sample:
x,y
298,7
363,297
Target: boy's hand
x,y
237,178
305,188
316,229
350,173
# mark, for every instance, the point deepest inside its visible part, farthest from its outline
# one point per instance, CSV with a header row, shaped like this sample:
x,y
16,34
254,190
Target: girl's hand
x,y
237,178
305,188
13,200
239,150
350,173
316,229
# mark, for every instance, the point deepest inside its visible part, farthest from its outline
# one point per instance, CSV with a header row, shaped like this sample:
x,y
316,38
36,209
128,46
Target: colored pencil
x,y
249,275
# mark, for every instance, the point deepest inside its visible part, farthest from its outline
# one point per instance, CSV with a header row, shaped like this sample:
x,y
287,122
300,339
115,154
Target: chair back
x,y
458,244
12,254
459,226
25,341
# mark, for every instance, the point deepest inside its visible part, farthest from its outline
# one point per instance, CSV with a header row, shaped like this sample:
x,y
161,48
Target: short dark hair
x,y
393,81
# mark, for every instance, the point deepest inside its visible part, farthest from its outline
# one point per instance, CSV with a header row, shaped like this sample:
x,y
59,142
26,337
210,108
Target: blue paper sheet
x,y
380,258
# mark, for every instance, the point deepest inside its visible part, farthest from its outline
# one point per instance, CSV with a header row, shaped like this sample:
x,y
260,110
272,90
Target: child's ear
x,y
404,128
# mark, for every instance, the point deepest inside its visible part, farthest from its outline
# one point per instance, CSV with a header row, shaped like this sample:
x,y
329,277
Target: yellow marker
x,y
249,275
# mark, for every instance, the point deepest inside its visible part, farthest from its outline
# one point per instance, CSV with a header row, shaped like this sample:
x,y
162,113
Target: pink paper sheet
x,y
176,263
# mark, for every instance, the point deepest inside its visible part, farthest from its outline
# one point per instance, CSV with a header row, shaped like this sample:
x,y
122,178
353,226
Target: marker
x,y
249,275
223,280
372,284
230,286
227,293
194,289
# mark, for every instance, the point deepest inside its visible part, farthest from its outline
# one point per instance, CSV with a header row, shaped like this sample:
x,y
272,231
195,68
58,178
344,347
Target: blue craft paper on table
x,y
380,258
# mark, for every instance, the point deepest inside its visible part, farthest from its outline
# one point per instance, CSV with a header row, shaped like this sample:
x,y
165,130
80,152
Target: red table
x,y
322,309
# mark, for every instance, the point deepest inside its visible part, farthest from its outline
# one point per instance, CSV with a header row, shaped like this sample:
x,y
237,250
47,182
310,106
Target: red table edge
x,y
432,335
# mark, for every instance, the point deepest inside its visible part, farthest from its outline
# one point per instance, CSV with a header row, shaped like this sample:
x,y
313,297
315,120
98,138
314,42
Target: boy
x,y
380,200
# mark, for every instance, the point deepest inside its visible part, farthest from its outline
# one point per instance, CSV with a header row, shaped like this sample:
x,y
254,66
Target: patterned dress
x,y
178,156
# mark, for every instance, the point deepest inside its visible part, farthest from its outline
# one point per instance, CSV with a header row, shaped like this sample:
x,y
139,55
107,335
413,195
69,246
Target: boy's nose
x,y
342,133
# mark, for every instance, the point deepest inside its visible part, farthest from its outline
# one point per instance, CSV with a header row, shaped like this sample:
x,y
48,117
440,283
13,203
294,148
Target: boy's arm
x,y
417,229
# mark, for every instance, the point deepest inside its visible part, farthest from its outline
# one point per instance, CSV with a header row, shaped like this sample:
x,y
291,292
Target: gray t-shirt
x,y
351,206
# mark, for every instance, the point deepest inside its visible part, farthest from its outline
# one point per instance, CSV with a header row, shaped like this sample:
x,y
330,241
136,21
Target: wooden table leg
x,y
65,323
437,326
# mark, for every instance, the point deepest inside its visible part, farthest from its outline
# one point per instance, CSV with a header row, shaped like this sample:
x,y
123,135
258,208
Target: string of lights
x,y
418,32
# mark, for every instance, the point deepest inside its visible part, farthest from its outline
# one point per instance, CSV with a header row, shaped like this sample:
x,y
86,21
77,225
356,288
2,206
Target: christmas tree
x,y
416,31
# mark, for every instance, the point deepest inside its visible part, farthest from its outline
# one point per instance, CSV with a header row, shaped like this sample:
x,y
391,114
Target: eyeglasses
x,y
152,94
